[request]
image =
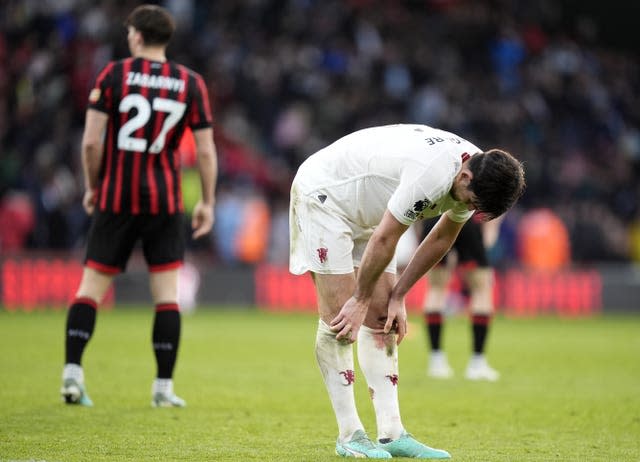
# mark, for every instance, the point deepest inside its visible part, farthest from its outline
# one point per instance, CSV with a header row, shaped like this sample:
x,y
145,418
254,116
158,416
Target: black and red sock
x,y
81,320
480,328
433,321
166,338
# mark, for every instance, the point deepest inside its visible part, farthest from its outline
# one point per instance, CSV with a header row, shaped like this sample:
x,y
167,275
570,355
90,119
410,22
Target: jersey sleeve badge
x,y
416,212
94,96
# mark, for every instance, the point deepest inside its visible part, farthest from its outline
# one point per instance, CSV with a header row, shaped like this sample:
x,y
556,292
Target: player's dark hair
x,y
498,181
154,23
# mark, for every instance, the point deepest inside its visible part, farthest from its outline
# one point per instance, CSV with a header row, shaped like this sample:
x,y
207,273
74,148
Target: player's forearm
x,y
377,255
91,161
428,254
93,146
207,164
208,168
437,243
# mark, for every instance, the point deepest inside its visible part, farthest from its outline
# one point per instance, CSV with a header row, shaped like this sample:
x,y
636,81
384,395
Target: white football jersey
x,y
408,169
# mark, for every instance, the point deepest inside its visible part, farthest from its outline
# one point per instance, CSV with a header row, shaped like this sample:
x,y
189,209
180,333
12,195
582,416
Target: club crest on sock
x,y
349,377
393,378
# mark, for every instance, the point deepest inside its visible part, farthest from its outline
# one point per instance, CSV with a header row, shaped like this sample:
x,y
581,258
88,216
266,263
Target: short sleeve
x,y
200,110
420,190
101,95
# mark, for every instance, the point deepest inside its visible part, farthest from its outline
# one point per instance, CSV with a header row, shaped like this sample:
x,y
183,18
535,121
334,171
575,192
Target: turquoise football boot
x,y
361,446
74,392
408,446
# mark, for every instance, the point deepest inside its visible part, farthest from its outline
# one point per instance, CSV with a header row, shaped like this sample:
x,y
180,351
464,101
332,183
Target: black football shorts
x,y
469,245
112,238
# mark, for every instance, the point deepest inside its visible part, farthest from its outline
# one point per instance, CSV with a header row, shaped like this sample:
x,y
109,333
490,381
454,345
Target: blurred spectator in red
x,y
17,220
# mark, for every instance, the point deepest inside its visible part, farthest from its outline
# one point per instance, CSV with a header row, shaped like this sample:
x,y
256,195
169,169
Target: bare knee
x,y
480,283
164,286
332,291
94,284
437,292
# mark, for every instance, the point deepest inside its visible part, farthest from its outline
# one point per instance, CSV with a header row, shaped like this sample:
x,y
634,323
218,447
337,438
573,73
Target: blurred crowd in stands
x,y
287,77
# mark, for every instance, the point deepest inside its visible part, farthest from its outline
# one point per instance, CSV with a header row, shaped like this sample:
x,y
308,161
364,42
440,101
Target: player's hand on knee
x,y
349,320
396,319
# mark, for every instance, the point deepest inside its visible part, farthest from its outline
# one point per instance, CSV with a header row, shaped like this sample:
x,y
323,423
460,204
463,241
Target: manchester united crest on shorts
x,y
322,254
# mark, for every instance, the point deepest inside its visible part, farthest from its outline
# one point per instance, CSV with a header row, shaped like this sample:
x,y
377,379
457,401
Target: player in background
x,y
350,203
137,113
470,248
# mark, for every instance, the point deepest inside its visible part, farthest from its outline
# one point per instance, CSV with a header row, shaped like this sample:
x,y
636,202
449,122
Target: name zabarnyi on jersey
x,y
140,79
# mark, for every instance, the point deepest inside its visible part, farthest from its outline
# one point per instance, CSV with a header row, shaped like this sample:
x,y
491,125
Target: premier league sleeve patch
x,y
415,212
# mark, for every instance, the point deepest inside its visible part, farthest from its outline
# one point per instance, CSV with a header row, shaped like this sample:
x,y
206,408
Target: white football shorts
x,y
322,239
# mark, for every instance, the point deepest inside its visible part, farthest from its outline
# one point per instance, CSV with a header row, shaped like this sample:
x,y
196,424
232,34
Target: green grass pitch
x,y
570,391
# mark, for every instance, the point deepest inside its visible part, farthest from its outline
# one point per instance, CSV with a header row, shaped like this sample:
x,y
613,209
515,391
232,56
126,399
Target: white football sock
x,y
164,386
336,365
378,358
73,371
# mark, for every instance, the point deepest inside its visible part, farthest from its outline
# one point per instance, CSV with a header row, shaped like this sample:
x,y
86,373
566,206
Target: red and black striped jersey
x,y
149,105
